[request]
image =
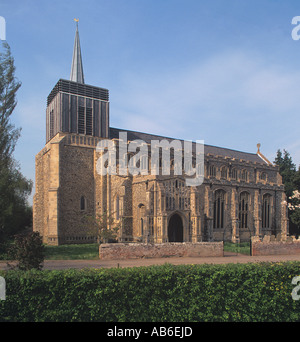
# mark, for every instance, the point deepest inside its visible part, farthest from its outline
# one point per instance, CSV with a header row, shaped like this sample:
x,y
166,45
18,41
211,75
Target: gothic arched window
x,y
219,209
212,171
234,173
266,211
244,209
141,215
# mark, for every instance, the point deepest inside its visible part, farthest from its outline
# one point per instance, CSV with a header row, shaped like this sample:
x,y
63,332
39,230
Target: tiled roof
x,y
208,149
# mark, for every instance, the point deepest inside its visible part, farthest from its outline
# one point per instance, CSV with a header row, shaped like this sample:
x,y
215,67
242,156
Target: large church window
x,y
151,226
234,173
219,209
266,211
244,175
244,209
177,195
141,216
212,171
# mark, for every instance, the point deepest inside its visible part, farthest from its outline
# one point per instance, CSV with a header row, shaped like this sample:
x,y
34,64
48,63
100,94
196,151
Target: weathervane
x,y
76,20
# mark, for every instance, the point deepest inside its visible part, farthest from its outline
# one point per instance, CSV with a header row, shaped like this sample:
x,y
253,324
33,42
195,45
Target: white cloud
x,y
237,90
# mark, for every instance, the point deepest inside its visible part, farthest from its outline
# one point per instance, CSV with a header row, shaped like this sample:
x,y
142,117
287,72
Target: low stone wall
x,y
271,245
119,251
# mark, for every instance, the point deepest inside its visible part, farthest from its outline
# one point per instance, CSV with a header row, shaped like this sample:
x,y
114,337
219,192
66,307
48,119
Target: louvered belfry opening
x,y
75,88
77,108
81,126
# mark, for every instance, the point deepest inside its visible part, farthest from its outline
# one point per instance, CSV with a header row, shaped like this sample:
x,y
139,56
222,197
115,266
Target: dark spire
x,y
77,69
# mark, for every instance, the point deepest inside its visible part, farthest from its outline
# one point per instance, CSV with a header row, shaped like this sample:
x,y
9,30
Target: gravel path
x,y
228,258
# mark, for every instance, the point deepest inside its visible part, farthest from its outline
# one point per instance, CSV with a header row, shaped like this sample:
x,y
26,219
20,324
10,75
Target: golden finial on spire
x,y
76,21
258,147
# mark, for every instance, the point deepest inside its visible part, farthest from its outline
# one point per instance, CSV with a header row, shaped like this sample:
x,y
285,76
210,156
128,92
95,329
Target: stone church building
x,y
241,194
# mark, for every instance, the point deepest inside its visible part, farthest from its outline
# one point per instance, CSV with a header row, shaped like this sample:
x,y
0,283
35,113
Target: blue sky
x,y
226,72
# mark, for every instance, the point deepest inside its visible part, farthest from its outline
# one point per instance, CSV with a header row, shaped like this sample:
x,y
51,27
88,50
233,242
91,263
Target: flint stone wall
x,y
271,245
119,251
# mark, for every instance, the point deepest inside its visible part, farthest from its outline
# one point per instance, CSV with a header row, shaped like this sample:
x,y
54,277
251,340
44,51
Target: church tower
x,y
77,117
75,107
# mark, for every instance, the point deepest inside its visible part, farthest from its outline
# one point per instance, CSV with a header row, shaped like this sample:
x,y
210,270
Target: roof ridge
x,y
161,136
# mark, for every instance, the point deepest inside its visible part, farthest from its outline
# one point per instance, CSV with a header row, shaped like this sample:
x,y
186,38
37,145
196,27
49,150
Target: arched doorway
x,y
175,229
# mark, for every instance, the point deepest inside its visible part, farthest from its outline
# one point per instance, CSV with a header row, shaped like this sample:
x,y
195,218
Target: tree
x,y
297,179
15,212
8,89
287,170
14,187
103,227
291,181
294,201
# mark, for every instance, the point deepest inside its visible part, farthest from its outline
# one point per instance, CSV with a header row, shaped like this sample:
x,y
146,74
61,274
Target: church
x,y
241,194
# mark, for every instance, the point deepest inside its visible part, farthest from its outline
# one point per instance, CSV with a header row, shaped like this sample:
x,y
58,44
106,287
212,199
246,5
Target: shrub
x,y
29,251
185,293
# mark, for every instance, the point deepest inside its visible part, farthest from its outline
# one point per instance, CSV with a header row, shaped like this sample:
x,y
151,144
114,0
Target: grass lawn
x,y
72,252
243,247
90,251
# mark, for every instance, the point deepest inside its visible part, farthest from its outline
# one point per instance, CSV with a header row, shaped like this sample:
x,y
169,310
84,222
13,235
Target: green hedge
x,y
235,292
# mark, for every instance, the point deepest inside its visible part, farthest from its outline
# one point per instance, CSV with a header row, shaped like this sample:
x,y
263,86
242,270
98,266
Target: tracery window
x,y
212,171
244,175
219,209
234,173
151,226
177,195
266,211
244,209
